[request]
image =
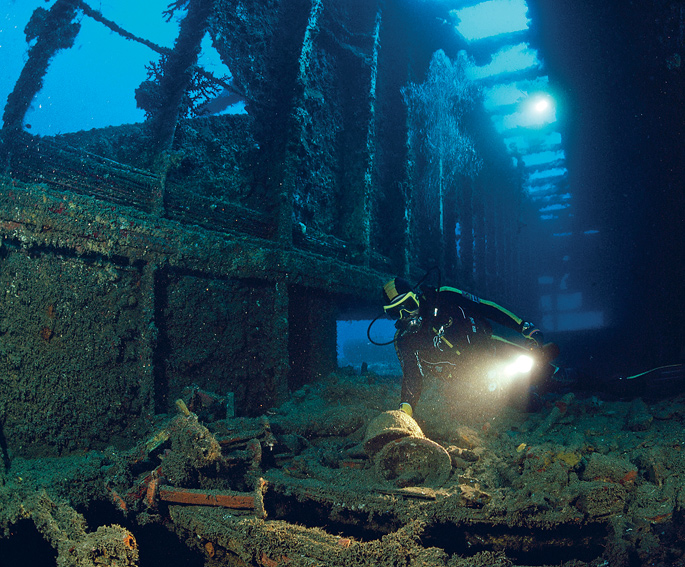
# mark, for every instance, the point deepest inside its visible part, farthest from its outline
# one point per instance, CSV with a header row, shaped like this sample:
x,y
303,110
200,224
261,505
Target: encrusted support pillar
x,y
408,196
479,241
466,238
450,269
153,382
299,116
496,244
440,241
280,332
364,212
178,72
174,84
52,30
312,336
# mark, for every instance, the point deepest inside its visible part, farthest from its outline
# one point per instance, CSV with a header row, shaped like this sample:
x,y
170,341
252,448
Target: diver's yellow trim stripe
x,y
476,299
400,299
503,310
390,290
448,288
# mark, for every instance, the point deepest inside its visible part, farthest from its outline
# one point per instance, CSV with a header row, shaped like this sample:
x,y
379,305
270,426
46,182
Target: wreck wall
x,y
220,335
109,314
72,350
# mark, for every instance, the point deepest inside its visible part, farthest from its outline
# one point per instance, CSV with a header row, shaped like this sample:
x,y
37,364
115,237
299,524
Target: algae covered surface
x,y
583,480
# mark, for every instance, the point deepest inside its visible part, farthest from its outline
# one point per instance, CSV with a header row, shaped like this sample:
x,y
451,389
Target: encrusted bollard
x,y
401,453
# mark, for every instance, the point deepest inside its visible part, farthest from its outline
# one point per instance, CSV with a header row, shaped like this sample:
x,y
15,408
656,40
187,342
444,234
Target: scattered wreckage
x,y
582,482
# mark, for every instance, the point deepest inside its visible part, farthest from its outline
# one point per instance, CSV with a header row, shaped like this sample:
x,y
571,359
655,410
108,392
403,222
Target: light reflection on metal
x,y
509,59
491,18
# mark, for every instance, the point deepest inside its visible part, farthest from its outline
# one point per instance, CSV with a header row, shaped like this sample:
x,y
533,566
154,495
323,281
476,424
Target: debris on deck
x,y
335,477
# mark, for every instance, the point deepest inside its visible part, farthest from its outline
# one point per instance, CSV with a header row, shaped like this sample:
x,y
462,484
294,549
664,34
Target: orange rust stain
x,y
209,548
151,492
129,541
201,498
661,518
118,501
267,561
629,477
353,464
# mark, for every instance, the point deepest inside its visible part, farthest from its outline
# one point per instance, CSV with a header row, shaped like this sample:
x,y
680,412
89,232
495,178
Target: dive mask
x,y
404,306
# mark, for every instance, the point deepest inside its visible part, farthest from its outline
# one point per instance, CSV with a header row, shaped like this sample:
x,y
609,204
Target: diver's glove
x,y
537,338
531,332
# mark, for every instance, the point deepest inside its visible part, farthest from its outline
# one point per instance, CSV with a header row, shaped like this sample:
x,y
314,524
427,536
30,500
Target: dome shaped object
x,y
413,461
388,426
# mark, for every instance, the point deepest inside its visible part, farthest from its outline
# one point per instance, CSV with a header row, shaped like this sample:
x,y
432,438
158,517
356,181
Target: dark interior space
x,y
26,546
540,547
626,153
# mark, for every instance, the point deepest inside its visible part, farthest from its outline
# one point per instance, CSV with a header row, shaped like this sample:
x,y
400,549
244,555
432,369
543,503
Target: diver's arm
x,y
494,312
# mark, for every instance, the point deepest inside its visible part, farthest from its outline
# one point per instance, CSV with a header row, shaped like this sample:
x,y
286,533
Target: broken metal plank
x,y
195,497
410,492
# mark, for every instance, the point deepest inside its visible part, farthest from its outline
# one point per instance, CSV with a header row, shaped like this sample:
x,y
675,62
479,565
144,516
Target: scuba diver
x,y
446,330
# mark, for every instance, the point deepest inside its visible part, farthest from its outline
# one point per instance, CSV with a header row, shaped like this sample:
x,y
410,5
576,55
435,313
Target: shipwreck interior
x,y
219,251
169,286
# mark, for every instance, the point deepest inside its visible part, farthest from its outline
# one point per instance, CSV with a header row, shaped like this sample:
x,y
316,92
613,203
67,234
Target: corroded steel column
x,y
364,219
286,193
52,30
178,71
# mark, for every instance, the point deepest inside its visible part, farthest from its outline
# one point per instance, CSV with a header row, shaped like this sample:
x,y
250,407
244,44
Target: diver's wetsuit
x,y
459,332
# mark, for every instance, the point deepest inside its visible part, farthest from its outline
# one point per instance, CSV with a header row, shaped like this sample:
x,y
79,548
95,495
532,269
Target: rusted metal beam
x,y
34,216
52,31
194,497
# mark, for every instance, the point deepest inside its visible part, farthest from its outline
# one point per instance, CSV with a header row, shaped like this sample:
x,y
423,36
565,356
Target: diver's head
x,y
401,303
